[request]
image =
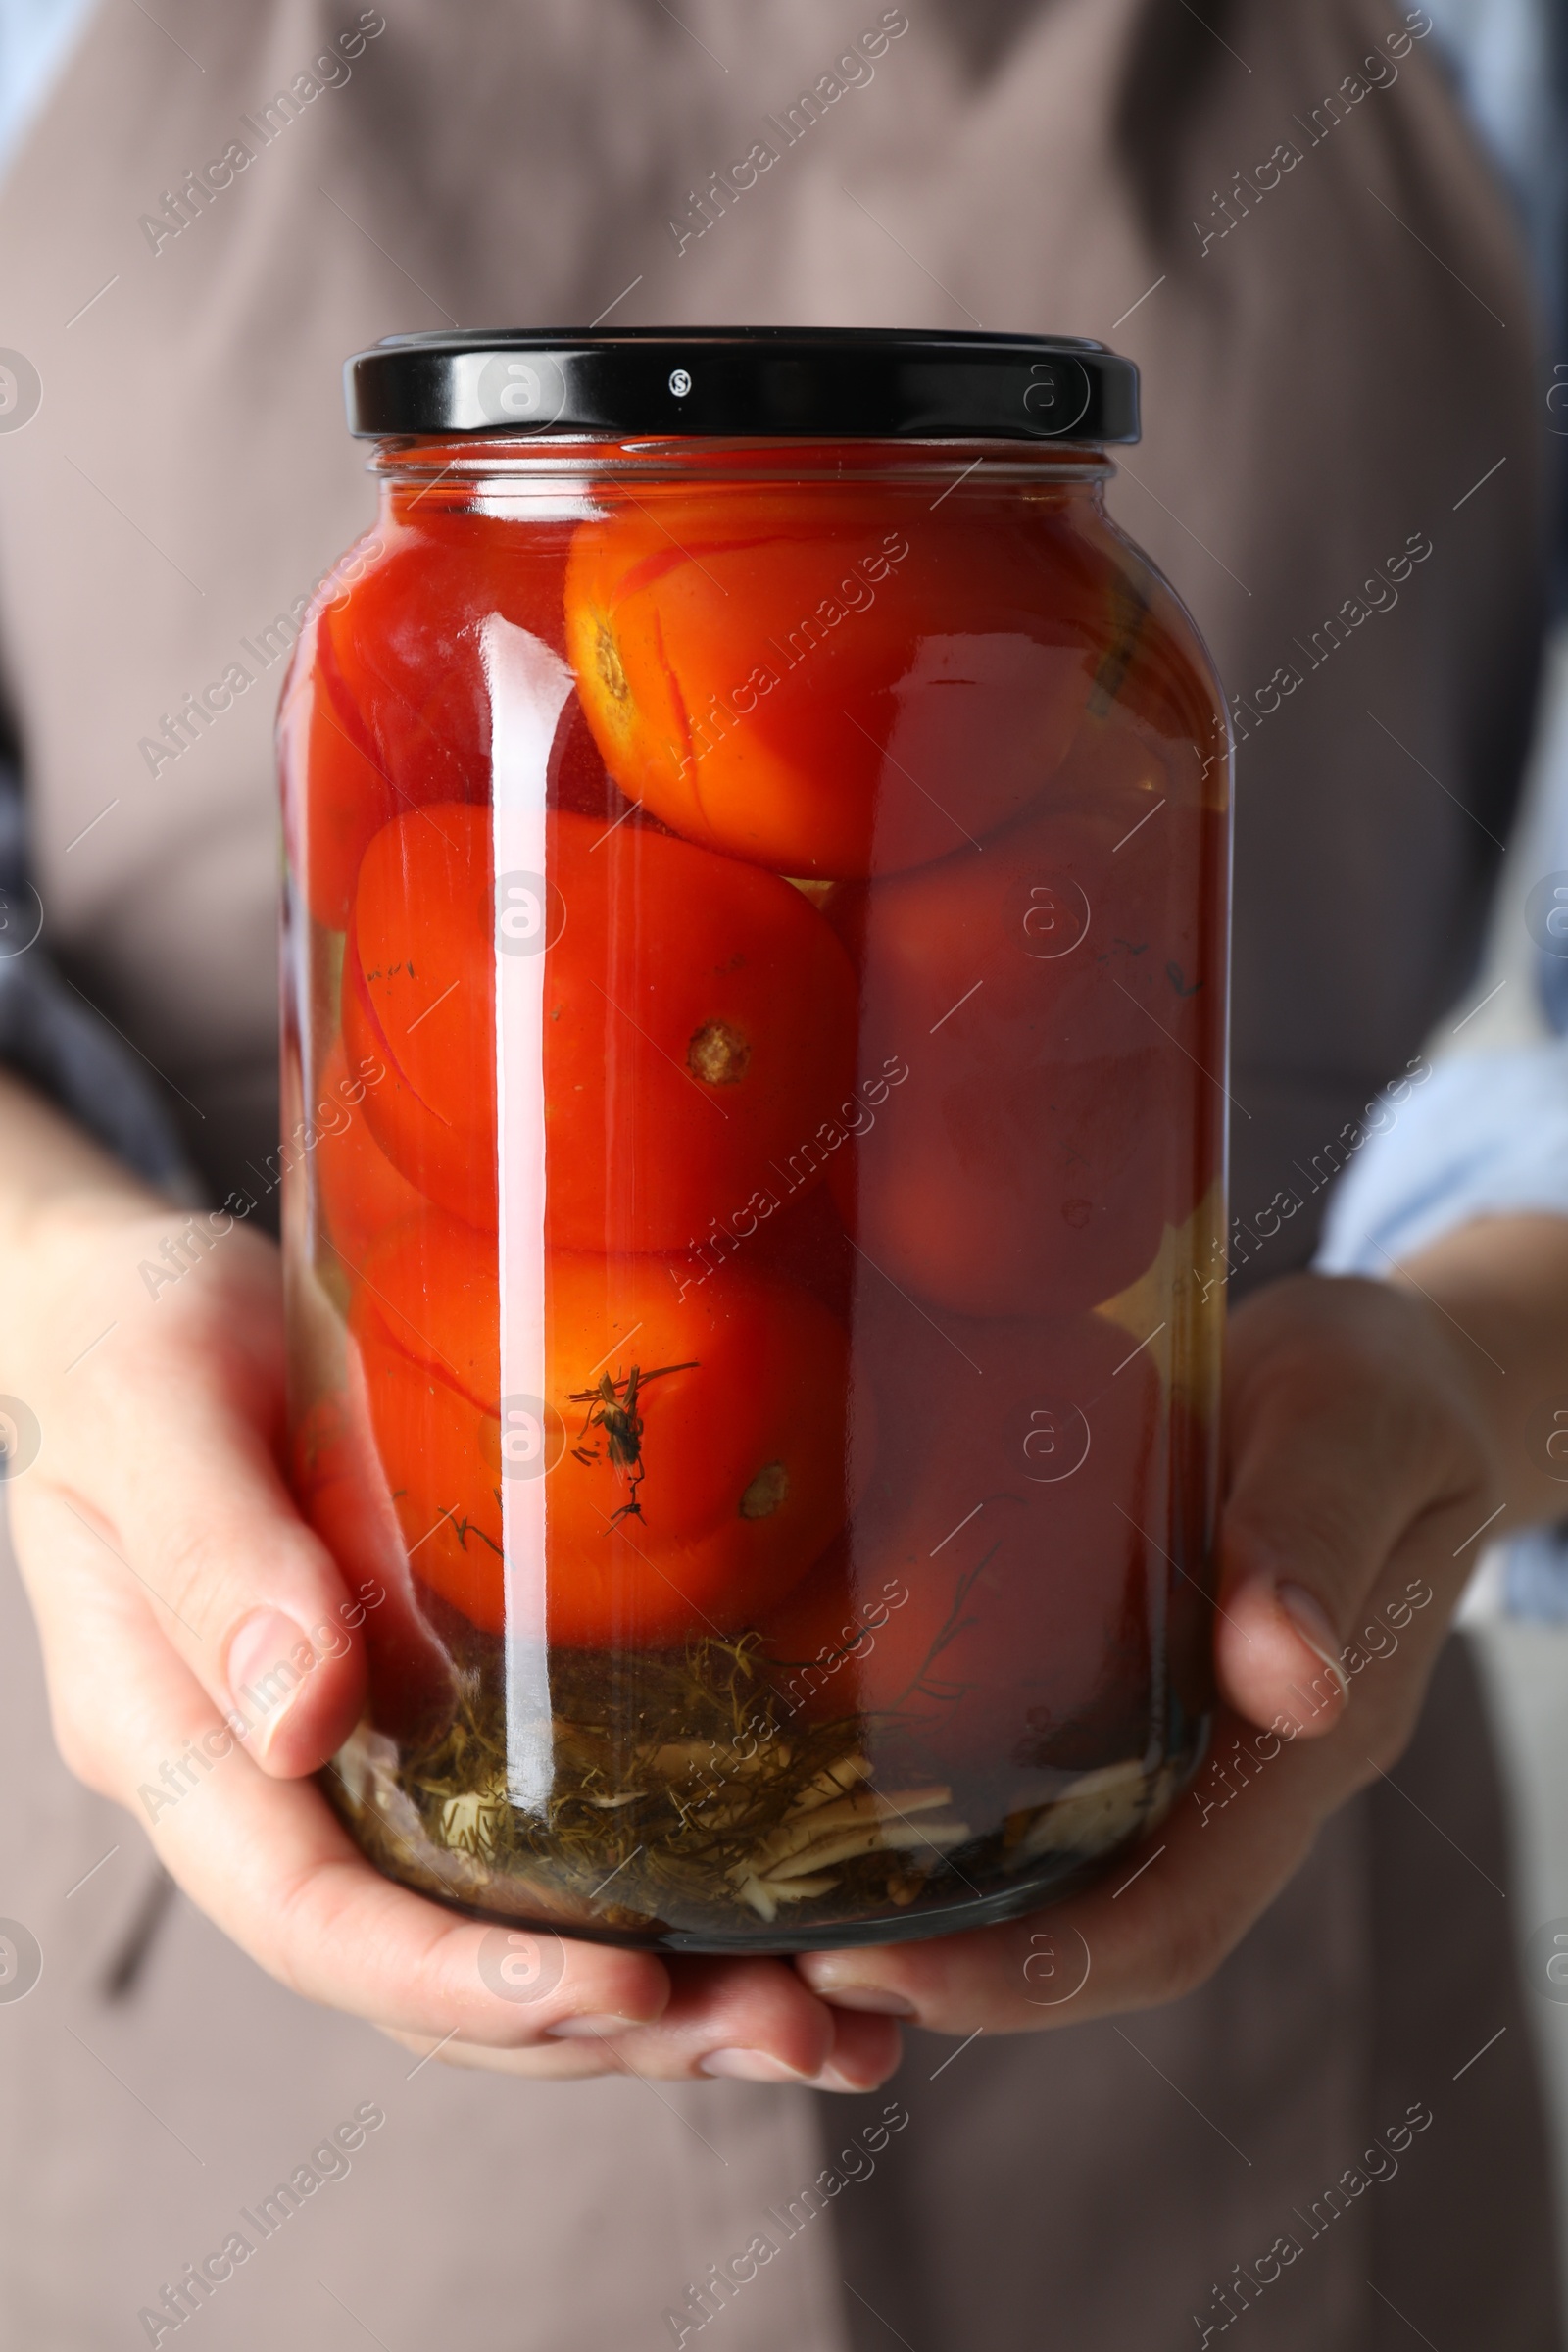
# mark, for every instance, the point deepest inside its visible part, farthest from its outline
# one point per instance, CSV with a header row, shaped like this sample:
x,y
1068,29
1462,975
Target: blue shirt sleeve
x,y
36,37
1481,1137
1509,64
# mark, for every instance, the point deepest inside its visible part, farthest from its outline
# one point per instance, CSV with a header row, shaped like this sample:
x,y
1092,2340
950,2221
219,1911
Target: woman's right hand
x,y
168,1567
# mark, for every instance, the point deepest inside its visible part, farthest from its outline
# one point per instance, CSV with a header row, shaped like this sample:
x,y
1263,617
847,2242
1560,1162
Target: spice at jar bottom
x,y
755,979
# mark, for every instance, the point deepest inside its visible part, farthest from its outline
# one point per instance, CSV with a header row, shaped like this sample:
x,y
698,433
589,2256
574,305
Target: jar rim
x,y
469,465
763,383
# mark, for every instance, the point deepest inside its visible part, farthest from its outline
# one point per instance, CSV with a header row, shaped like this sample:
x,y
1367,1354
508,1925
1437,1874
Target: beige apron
x,y
1311,268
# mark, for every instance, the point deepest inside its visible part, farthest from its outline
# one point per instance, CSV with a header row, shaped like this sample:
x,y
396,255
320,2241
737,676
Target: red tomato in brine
x,y
694,1436
419,993
1056,996
387,709
388,703
698,1031
336,796
362,1192
403,647
699,1020
342,1494
780,674
742,1477
990,1596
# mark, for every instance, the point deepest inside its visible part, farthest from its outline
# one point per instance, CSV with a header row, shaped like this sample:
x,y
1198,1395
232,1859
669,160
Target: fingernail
x,y
590,2029
1310,1620
873,1998
264,1677
832,1976
833,2078
749,2065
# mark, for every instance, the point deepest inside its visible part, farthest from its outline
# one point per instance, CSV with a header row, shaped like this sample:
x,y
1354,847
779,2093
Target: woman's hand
x,y
167,1567
1367,1449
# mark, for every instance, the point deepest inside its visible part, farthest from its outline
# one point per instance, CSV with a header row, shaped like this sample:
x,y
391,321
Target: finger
x,y
1339,1445
270,1863
700,2023
740,2020
549,2061
867,2051
181,1496
1157,1927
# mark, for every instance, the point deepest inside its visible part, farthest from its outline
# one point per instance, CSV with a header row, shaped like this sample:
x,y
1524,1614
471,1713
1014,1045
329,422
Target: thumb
x,y
240,1588
1338,1443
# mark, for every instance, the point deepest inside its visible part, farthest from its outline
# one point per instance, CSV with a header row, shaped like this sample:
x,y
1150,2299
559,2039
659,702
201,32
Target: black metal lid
x,y
834,383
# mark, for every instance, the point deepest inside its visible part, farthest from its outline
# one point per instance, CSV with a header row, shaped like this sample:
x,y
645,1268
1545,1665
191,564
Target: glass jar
x,y
755,960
